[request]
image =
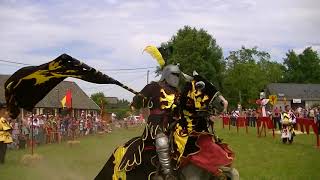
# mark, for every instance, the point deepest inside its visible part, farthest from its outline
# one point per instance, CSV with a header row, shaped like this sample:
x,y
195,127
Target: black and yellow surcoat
x,y
161,99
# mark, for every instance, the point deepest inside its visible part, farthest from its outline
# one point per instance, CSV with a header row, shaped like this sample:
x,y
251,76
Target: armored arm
x,y
139,101
142,99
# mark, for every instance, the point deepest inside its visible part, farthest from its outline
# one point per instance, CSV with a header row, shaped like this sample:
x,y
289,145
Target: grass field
x,y
262,158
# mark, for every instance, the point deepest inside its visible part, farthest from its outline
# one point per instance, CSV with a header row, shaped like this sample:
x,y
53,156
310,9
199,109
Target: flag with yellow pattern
x,y
27,86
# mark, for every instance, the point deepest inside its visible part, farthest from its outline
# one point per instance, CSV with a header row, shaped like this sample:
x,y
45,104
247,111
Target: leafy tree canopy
x,y
99,99
302,68
247,73
196,50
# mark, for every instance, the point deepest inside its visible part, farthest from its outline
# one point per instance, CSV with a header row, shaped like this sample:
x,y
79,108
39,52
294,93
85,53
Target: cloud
x,y
112,33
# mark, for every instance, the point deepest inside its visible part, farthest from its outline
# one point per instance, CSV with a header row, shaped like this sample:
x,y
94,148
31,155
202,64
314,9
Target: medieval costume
x,y
262,102
193,141
288,119
160,98
143,156
5,136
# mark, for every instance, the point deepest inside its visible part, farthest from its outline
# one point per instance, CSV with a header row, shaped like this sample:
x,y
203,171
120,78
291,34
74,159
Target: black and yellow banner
x,y
27,86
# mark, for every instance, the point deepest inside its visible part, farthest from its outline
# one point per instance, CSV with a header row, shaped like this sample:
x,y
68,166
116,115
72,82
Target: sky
x,y
110,35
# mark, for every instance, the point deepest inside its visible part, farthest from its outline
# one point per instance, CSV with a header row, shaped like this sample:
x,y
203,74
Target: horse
x,y
137,158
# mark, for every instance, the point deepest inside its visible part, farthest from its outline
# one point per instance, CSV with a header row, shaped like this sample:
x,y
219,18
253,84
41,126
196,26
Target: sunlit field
x,y
256,158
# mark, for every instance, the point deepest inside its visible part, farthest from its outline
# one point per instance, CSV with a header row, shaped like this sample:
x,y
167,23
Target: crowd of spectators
x,y
47,129
253,114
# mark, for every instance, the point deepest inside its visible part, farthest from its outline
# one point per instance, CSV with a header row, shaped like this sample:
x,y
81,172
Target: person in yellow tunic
x,y
5,136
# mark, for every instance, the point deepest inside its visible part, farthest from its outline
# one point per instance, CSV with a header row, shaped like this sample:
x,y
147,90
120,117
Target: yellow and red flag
x,y
66,101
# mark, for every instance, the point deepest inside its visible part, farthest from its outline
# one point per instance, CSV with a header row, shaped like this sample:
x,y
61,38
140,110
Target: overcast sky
x,y
111,34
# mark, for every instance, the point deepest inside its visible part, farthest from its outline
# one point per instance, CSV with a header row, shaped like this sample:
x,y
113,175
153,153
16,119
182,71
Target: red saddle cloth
x,y
211,156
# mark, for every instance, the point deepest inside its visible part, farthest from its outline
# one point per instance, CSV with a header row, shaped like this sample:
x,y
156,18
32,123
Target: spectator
x,y
276,118
73,128
317,121
35,128
235,114
81,126
48,130
41,135
252,118
311,114
24,135
15,134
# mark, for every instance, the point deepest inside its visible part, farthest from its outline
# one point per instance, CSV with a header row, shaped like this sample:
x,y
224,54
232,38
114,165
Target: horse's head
x,y
202,95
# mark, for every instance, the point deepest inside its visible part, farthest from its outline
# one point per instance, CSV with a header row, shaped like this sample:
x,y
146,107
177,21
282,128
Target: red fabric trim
x,y
307,123
267,121
148,148
241,121
211,155
226,120
300,122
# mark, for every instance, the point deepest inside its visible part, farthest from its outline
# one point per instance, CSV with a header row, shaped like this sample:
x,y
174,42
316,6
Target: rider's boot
x,y
162,148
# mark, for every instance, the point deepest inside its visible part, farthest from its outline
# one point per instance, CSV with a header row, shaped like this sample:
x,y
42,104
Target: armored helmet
x,y
171,74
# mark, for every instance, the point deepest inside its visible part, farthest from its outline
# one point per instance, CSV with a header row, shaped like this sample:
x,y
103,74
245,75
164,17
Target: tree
x,y
121,112
99,99
195,50
273,71
245,55
121,109
302,68
248,72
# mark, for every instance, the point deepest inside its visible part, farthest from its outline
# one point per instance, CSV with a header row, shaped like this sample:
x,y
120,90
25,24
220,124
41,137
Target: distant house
x,y
51,103
295,95
112,100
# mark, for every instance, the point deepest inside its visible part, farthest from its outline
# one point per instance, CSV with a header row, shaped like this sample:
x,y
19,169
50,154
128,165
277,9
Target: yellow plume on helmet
x,y
155,53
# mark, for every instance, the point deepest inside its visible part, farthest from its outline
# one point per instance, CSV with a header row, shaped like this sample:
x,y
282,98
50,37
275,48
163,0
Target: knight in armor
x,y
5,136
160,98
288,119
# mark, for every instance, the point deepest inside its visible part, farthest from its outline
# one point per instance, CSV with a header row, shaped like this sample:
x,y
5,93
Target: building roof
x,y
80,99
295,91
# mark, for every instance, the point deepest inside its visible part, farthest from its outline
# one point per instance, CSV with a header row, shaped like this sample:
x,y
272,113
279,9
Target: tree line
x,y
244,72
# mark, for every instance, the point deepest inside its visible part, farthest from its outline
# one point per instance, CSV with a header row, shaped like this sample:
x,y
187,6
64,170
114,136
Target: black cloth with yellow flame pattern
x,y
195,109
195,105
27,86
137,159
161,100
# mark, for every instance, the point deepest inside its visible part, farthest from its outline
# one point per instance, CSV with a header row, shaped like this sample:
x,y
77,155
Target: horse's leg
x,y
107,170
192,172
231,173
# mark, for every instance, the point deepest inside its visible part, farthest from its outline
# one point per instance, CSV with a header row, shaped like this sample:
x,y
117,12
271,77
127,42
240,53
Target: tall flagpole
x,y
32,139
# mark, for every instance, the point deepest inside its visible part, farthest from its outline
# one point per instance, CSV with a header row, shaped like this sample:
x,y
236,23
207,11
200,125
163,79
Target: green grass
x,y
262,158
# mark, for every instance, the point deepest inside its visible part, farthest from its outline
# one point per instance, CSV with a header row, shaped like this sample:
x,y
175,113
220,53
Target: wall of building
x,y
304,104
309,104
